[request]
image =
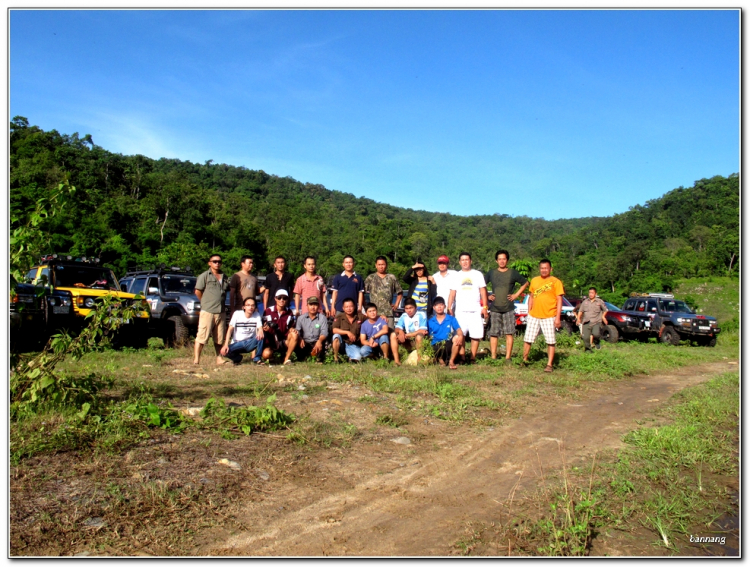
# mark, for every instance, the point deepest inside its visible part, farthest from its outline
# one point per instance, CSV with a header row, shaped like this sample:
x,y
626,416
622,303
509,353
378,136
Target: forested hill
x,y
135,210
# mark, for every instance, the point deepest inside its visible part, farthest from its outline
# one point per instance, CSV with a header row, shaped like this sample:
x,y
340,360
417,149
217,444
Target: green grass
x,y
716,296
667,478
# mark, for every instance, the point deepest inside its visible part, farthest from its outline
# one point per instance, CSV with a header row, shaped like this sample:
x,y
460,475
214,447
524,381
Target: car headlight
x,y
88,302
626,319
193,305
52,301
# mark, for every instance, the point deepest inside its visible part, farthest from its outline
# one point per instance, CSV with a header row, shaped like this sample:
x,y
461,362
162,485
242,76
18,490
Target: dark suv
x,y
672,320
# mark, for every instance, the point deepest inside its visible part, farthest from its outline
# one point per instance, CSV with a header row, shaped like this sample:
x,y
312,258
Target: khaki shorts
x,y
214,324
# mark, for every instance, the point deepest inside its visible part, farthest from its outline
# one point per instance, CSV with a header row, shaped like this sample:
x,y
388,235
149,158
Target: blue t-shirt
x,y
412,324
348,288
369,329
442,331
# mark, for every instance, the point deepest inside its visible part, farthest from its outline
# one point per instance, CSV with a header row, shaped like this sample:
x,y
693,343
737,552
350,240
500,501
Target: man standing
x,y
502,311
443,278
469,291
246,326
347,285
346,327
592,312
545,307
242,285
445,334
309,285
278,326
382,288
211,289
276,280
312,328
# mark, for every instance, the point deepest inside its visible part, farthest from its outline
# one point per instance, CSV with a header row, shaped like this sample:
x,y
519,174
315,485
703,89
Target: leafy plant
x,y
244,419
35,379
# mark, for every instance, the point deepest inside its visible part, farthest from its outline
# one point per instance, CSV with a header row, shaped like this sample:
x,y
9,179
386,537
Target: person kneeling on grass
x,y
411,327
245,333
445,334
346,329
313,330
278,326
374,332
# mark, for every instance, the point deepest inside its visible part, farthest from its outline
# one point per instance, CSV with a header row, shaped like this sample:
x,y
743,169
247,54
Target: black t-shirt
x,y
274,283
503,283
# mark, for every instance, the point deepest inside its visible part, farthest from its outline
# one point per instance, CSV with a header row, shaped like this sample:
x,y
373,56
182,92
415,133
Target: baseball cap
x,y
443,260
281,292
313,301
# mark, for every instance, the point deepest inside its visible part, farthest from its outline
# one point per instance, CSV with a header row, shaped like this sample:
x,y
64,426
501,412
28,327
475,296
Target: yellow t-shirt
x,y
545,292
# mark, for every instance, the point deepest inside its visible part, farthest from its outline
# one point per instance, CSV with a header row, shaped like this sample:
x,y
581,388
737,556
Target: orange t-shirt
x,y
545,292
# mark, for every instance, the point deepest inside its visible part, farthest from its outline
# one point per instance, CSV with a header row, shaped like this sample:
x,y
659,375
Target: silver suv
x,y
170,292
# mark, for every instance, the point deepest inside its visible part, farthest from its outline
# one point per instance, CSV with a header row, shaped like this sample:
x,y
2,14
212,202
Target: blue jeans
x,y
367,350
245,346
354,352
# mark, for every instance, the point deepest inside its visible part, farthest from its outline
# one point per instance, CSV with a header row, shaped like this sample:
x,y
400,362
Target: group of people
x,y
447,308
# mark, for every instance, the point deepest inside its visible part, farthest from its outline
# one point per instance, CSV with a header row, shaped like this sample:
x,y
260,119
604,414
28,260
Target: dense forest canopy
x,y
133,210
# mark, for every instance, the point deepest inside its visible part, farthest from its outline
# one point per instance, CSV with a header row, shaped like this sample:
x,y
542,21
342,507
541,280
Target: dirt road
x,y
416,499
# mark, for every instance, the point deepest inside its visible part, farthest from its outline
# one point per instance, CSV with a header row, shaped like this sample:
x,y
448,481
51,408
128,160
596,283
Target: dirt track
x,y
389,499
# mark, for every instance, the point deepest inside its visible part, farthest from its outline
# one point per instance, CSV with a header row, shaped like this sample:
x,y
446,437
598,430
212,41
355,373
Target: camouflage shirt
x,y
381,292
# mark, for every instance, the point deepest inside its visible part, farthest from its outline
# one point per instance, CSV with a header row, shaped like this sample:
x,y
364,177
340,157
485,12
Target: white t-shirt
x,y
443,284
245,328
467,286
412,324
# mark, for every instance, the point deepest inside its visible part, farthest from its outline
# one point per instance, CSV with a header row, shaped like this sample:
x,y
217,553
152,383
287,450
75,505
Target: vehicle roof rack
x,y
660,295
68,258
158,270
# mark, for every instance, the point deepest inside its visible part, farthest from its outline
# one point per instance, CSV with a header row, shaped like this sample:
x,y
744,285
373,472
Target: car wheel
x,y
610,333
707,341
670,336
178,332
568,327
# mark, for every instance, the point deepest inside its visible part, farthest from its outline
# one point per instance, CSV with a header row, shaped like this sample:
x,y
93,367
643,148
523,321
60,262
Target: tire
x,y
177,333
707,341
610,333
567,327
670,336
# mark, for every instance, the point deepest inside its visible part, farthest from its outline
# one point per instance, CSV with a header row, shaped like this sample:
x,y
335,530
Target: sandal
x,y
453,366
548,368
288,363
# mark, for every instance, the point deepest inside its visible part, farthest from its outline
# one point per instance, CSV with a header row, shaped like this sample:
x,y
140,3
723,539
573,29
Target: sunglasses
x,y
216,261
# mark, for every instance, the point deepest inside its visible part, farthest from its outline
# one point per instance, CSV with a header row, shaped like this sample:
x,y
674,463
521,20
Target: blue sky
x,y
552,114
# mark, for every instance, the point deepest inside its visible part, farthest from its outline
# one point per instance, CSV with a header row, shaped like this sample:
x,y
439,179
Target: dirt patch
x,y
417,499
427,488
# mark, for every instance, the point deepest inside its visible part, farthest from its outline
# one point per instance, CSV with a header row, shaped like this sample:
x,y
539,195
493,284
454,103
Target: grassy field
x,y
716,296
669,483
143,399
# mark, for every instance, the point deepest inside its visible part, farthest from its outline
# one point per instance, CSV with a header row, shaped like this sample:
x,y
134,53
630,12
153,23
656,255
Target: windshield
x,y
178,284
611,306
674,306
85,276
